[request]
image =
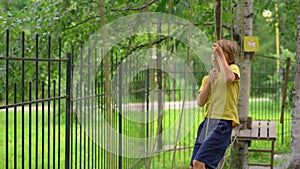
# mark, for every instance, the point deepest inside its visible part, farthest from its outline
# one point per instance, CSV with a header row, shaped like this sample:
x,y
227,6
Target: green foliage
x,y
13,5
76,20
287,10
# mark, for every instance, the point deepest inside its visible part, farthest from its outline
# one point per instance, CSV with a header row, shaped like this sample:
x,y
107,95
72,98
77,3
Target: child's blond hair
x,y
229,48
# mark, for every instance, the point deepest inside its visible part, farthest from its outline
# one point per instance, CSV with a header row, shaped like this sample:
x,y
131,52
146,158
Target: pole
x,y
277,37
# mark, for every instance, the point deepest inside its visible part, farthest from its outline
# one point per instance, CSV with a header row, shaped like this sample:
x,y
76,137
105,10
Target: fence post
x,y
120,117
286,80
68,109
6,99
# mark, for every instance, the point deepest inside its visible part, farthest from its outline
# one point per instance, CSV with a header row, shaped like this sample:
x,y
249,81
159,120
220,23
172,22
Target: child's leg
x,y
213,148
198,164
196,145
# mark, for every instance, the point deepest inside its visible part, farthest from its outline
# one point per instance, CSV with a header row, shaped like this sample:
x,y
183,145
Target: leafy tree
x,y
243,27
295,141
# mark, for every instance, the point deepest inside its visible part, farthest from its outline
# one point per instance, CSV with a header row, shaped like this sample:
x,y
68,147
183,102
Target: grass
x,y
83,144
41,148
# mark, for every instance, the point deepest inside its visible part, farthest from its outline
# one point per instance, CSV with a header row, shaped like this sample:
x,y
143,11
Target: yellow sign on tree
x,y
251,44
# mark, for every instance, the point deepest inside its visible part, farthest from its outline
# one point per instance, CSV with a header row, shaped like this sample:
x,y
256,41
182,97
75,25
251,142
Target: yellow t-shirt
x,y
222,100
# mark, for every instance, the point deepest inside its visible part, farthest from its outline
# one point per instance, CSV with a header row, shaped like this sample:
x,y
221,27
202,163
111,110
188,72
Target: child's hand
x,y
213,74
217,49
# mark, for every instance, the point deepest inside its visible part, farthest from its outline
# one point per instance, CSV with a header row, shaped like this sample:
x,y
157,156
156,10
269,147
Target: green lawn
x,y
42,144
82,144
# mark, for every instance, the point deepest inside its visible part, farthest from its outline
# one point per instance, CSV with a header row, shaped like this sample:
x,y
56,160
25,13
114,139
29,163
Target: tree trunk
x,y
295,132
107,88
218,19
150,125
243,27
159,94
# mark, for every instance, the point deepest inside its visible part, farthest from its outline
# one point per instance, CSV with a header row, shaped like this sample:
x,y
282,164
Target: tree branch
x,y
84,21
146,44
135,9
223,25
120,10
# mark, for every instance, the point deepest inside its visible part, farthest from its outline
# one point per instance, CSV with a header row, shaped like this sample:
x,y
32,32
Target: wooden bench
x,y
259,130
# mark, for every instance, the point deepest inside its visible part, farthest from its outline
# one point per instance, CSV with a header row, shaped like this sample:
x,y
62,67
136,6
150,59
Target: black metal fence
x,y
78,111
271,87
36,130
136,118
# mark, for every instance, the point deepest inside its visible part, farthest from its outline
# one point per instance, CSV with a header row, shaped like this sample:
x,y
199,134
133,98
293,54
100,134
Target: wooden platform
x,y
259,130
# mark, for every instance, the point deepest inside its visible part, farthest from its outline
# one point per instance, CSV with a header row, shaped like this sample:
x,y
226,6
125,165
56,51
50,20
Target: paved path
x,y
166,105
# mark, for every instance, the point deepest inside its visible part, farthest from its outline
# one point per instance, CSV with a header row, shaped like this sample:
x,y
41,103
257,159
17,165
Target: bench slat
x,y
261,130
233,133
264,129
245,133
255,129
260,150
272,129
259,164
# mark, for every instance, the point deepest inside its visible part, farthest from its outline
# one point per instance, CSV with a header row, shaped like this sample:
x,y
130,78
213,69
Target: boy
x,y
219,91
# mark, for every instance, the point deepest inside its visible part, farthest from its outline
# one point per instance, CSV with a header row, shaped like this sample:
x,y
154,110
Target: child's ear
x,y
229,60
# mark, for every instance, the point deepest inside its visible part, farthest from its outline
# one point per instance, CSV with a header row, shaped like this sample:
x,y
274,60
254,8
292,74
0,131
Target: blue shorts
x,y
211,142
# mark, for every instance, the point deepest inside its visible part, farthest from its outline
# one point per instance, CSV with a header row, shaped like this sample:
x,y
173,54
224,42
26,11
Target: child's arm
x,y
203,94
224,67
204,91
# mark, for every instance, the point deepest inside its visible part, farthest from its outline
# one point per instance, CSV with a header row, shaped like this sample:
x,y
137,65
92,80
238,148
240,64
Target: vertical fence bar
x,y
23,99
147,109
54,108
95,108
94,116
15,127
76,108
102,102
99,121
49,96
59,105
43,124
30,125
125,122
6,98
71,115
80,84
84,123
97,152
68,100
120,116
88,107
36,98
72,112
93,129
112,118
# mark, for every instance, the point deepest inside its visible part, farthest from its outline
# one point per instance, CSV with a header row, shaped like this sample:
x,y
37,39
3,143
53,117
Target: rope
x,y
212,85
210,110
233,140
